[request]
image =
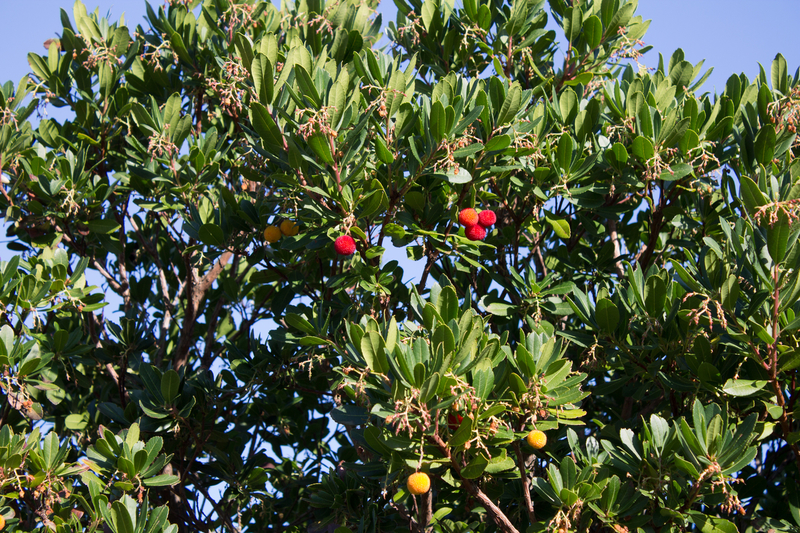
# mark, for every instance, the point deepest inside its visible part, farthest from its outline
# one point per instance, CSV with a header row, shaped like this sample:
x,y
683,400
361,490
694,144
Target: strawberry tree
x,y
508,272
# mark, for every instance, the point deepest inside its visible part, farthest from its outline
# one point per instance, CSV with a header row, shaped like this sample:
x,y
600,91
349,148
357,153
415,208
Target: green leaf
x,y
676,172
730,292
791,360
373,437
321,145
511,105
515,382
497,307
778,74
564,152
743,387
483,379
714,431
593,31
475,467
262,72
456,178
383,153
103,226
519,13
778,236
643,149
300,322
372,349
606,314
568,105
751,195
620,18
500,464
655,296
212,235
163,480
121,518
764,147
76,422
170,383
267,129
428,390
306,85
313,341
497,143
50,450
438,122
560,226
463,434
709,524
617,156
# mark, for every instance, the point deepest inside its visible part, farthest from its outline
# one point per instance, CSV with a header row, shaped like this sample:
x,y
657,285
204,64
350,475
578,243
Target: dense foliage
x,y
183,349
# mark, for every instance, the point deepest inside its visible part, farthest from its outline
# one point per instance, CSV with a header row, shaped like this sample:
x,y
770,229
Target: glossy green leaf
x,y
607,314
170,383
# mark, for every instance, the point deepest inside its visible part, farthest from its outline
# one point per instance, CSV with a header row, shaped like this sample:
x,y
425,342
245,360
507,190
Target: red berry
x,y
454,421
468,217
475,233
487,218
345,245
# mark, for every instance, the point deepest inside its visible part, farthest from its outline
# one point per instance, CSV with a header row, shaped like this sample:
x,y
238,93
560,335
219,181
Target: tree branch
x,y
196,291
526,486
495,512
612,231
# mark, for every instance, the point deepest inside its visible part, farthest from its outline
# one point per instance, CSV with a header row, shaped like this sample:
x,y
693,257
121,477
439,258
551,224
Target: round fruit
x,y
345,245
487,218
418,483
468,217
272,234
475,233
2,521
289,228
454,421
537,439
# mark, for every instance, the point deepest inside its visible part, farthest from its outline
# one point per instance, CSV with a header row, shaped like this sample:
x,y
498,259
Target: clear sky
x,y
732,35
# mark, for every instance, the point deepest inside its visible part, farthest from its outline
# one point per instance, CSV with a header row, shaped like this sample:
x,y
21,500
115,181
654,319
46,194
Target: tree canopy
x,y
202,329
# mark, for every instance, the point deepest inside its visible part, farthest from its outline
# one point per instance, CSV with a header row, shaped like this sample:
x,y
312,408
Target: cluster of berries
x,y
475,224
272,234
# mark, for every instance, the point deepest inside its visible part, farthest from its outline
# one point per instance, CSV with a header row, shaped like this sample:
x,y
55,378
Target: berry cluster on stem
x,y
476,224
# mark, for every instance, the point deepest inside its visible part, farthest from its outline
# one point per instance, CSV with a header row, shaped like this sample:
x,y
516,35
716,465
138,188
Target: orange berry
x,y
536,439
272,234
289,228
468,217
2,521
418,483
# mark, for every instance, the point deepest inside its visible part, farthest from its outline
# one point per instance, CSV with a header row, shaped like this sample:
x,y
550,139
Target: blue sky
x,y
733,35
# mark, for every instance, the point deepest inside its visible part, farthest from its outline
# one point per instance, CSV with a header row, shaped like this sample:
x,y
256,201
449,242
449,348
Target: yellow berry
x,y
289,228
2,521
536,439
272,234
418,483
